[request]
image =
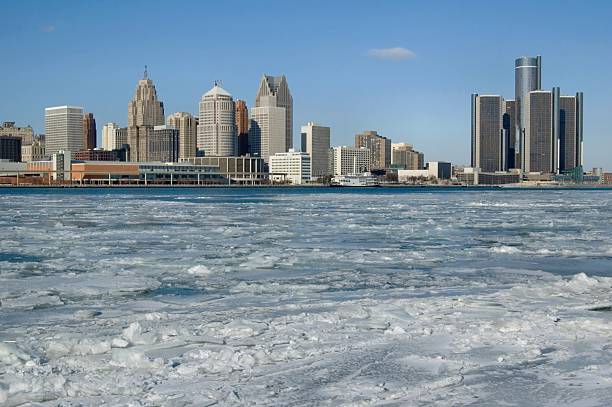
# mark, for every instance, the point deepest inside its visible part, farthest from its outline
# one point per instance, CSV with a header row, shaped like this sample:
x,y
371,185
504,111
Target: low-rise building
x,y
291,166
440,169
96,154
34,151
242,170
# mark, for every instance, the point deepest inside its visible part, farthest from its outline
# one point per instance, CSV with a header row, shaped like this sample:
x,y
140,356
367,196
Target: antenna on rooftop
x,y
146,73
217,82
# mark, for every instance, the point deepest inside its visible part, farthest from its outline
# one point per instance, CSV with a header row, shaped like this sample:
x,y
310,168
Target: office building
x,y
240,170
35,151
404,157
379,146
187,125
63,129
316,142
509,126
439,169
527,78
217,123
291,166
570,132
145,111
26,134
61,165
274,92
163,144
541,132
242,127
96,154
489,138
10,148
350,160
109,136
267,131
90,135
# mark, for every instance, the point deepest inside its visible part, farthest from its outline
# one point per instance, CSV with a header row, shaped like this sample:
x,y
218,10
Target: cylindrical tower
x,y
527,78
217,124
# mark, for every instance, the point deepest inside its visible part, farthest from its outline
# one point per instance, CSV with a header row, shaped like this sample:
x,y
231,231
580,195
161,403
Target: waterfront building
x,y
61,165
96,154
26,134
35,151
316,142
570,132
379,146
242,127
527,78
489,137
241,170
90,135
274,92
163,144
187,125
10,148
291,166
63,129
145,112
267,131
109,136
403,157
217,123
440,169
541,132
350,160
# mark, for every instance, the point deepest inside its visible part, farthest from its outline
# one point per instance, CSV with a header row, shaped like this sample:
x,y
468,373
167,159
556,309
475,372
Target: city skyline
x,y
390,81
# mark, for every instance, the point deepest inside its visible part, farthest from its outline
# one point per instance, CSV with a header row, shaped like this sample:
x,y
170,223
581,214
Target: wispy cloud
x,y
391,54
49,28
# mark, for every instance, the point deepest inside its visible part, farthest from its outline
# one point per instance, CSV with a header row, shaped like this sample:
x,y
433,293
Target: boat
x,y
365,179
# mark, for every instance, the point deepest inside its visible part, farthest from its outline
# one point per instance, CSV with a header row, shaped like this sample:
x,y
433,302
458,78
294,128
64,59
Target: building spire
x,y
146,73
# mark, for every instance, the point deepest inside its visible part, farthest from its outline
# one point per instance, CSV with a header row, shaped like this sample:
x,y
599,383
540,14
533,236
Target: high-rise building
x,y
570,132
316,142
274,92
109,136
121,137
542,131
403,157
267,131
90,135
379,146
63,129
509,124
527,78
489,138
217,124
187,125
291,166
163,144
10,148
242,127
145,111
26,134
350,160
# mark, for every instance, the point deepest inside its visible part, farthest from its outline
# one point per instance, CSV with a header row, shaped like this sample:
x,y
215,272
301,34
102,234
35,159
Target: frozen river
x,y
304,297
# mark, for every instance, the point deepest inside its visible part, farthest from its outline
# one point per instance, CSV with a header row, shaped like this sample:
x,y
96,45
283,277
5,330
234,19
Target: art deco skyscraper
x,y
242,127
144,112
570,132
187,125
90,135
217,124
489,138
274,91
542,131
63,129
527,78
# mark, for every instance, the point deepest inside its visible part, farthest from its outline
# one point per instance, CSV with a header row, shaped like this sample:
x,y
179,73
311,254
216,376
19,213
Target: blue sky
x,y
335,55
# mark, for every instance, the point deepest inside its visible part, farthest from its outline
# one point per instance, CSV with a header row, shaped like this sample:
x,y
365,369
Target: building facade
x,y
217,124
63,129
489,137
403,157
10,148
542,132
267,131
379,146
291,166
26,134
34,151
315,141
90,134
95,155
244,169
163,144
570,132
242,127
509,125
187,125
274,92
109,136
350,160
527,78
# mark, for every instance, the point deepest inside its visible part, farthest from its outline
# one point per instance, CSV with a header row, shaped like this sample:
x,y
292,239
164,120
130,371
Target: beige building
x,y
379,146
316,142
26,134
274,92
145,111
33,152
350,160
405,158
293,166
187,125
63,129
267,131
217,123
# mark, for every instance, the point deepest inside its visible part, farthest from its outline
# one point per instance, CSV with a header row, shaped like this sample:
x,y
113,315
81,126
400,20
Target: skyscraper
x,y
187,125
217,124
163,144
109,136
489,138
90,135
144,112
527,78
509,120
316,142
404,157
267,131
379,146
63,129
274,91
570,132
542,131
242,127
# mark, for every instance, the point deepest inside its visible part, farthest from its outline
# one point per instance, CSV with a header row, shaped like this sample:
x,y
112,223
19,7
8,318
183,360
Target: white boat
x,y
355,180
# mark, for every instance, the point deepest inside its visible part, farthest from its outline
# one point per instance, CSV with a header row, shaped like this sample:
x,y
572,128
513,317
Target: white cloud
x,y
391,54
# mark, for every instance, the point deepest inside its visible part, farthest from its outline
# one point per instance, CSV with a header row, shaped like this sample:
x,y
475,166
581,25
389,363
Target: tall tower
x,y
570,132
90,135
217,124
144,112
542,131
242,127
109,136
63,129
274,91
316,142
267,131
187,125
489,137
379,146
527,78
